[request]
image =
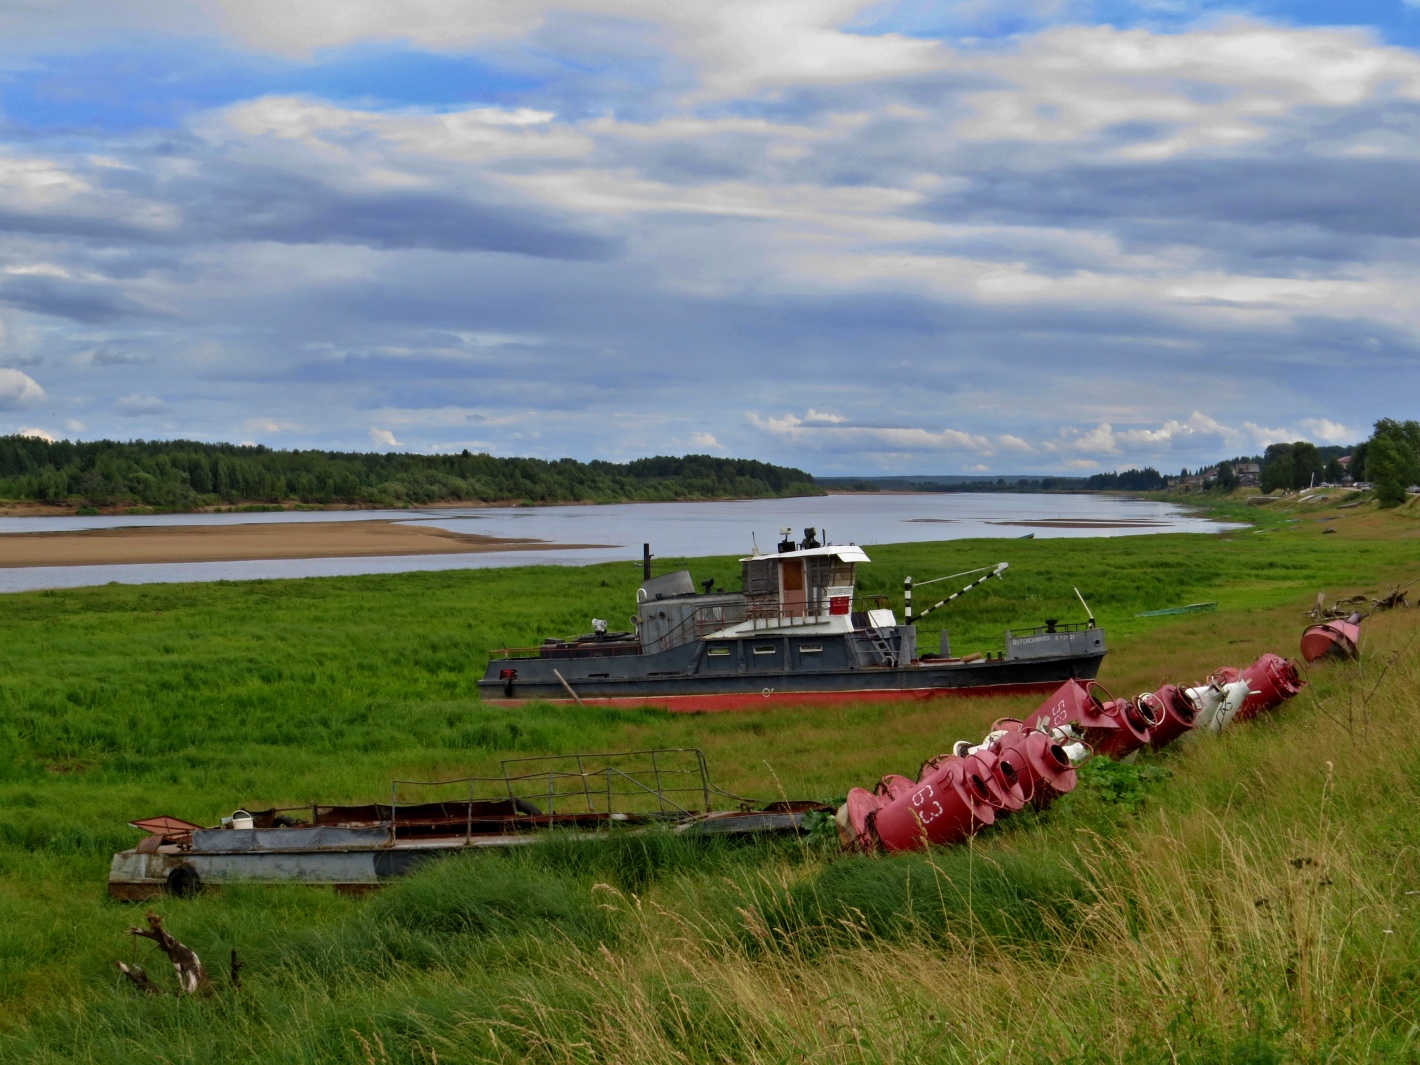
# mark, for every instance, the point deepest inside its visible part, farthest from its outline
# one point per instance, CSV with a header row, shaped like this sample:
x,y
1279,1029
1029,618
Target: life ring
x,y
767,692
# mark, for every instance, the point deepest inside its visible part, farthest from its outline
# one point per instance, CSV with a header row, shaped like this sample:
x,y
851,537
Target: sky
x,y
987,236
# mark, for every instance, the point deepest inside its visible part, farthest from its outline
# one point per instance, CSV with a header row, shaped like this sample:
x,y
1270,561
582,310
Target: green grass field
x,y
1249,898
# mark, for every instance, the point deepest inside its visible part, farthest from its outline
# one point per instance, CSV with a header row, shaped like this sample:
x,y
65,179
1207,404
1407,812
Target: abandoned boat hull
x,y
358,859
580,797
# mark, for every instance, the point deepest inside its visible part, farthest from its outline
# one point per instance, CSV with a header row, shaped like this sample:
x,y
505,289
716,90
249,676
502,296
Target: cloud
x,y
38,434
706,442
1066,448
1325,431
136,405
1054,246
109,357
271,425
18,390
736,45
383,438
839,432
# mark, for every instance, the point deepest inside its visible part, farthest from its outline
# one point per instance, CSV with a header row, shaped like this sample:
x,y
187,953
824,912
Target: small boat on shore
x,y
795,633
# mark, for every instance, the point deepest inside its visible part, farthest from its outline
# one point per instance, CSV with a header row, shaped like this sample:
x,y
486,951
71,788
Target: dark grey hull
x,y
728,675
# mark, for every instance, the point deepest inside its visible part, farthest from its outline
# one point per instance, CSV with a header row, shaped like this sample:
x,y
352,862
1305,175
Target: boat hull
x,y
697,692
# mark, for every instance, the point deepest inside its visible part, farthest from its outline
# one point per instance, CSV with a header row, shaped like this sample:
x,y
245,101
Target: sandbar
x,y
242,543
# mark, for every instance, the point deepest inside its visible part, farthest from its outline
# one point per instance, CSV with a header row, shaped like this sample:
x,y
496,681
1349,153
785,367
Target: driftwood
x,y
1359,604
139,978
191,976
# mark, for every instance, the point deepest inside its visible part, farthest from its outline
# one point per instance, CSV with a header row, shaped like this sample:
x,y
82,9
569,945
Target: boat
x,y
1191,608
354,849
795,633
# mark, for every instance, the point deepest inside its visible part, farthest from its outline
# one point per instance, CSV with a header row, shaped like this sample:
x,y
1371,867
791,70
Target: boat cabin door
x,y
793,601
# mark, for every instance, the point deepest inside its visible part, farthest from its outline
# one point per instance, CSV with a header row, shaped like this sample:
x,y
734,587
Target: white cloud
x,y
271,425
1198,434
1070,83
1326,431
819,428
74,426
736,45
383,438
39,434
136,405
18,389
706,441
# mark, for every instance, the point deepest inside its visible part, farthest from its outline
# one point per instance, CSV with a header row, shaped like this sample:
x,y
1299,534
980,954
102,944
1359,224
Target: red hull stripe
x,y
702,704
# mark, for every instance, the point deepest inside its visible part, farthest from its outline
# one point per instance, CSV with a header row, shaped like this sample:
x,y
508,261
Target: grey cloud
x,y
1353,197
248,203
79,301
227,201
109,357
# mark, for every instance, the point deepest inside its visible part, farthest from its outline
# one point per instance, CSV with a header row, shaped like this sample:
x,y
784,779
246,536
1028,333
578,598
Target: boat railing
x,y
568,790
1046,630
567,649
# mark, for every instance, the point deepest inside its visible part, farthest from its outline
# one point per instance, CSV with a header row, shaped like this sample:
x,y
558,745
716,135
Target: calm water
x,y
672,529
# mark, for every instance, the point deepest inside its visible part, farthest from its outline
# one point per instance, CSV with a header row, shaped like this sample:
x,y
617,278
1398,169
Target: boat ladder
x,y
883,646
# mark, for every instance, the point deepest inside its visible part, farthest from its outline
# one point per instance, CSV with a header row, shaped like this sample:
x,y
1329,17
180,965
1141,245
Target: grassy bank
x,y
1242,898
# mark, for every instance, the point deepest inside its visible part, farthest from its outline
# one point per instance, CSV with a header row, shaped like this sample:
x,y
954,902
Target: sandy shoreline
x,y
244,543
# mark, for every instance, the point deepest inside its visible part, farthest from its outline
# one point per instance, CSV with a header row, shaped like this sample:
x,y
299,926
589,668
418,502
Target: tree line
x,y
186,474
1389,460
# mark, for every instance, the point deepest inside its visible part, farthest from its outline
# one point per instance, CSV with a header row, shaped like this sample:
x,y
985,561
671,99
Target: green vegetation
x,y
1240,898
1392,460
185,474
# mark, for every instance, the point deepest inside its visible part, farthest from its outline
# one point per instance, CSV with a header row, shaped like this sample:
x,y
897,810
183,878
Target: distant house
x,y
1249,474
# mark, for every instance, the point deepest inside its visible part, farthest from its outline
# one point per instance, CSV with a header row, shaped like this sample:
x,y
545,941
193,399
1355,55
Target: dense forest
x,y
185,474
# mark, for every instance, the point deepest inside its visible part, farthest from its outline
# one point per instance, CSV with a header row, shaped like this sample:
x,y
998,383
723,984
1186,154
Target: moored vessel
x,y
795,633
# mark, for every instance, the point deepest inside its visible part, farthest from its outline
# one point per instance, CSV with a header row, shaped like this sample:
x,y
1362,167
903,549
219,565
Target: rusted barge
x,y
356,848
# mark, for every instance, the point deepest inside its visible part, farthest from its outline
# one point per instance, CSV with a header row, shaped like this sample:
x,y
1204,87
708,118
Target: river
x,y
685,530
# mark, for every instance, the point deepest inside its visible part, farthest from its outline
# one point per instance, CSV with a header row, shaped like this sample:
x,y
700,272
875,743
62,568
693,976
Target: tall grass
x,y
1238,898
